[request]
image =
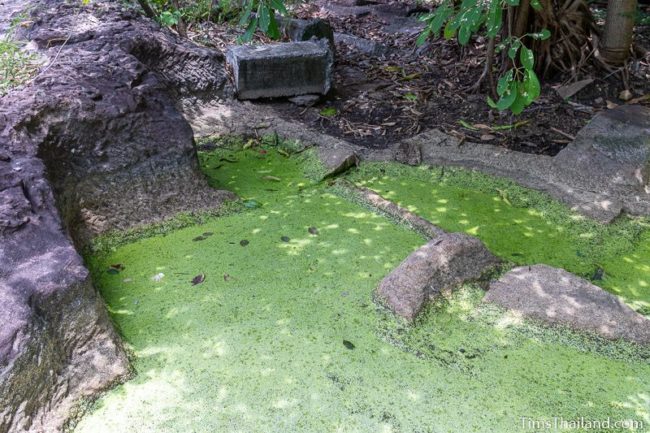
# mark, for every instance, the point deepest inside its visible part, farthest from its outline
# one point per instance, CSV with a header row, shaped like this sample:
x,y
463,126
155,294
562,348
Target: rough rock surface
x,y
438,267
408,152
616,145
364,45
558,297
93,143
337,159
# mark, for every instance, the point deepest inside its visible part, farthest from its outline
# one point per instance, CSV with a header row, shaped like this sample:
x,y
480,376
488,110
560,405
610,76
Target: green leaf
x,y
527,58
519,103
514,47
463,35
265,17
491,102
274,30
450,30
506,100
504,82
411,97
464,124
545,34
441,15
329,112
531,86
279,6
250,31
494,19
536,5
245,18
423,37
512,2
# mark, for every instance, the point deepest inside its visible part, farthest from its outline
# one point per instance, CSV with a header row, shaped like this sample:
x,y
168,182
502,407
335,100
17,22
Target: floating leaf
x,y
348,345
199,238
285,239
252,204
243,242
198,279
313,230
227,159
118,266
272,178
112,271
206,234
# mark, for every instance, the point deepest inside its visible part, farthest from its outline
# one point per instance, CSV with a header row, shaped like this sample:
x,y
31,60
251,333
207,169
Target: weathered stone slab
x,y
285,69
558,297
337,158
366,46
439,266
614,146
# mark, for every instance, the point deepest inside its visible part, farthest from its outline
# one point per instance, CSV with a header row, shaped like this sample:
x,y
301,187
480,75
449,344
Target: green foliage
x,y
519,86
264,18
16,65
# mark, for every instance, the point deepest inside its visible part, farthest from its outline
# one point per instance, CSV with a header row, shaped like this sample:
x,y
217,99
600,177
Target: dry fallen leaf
x,y
625,95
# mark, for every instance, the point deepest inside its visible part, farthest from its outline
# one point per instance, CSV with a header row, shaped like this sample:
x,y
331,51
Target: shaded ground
x,y
381,99
282,334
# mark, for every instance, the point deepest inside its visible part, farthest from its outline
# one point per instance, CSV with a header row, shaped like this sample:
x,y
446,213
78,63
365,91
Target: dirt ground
x,y
381,98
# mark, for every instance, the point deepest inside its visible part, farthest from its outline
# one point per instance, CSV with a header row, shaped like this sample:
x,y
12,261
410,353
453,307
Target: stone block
x,y
281,70
558,297
438,267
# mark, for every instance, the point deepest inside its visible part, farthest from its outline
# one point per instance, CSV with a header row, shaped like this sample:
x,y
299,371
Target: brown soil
x,y
380,100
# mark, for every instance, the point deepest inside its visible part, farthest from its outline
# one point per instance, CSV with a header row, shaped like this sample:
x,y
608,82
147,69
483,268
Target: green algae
x,y
522,226
259,345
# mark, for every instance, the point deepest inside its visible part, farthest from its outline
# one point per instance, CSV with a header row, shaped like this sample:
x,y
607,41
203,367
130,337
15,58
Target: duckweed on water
x,y
522,226
284,336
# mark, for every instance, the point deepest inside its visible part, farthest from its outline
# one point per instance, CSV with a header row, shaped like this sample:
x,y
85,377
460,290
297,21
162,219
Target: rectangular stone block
x,y
284,69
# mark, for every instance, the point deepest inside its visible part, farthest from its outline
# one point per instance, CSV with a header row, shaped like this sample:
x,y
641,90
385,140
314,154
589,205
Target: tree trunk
x,y
619,27
144,4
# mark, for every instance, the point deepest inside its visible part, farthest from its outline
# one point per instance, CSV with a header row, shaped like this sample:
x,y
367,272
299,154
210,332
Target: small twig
x,y
565,134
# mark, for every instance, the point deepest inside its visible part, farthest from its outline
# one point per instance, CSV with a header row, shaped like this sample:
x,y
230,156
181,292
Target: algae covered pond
x,y
281,333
